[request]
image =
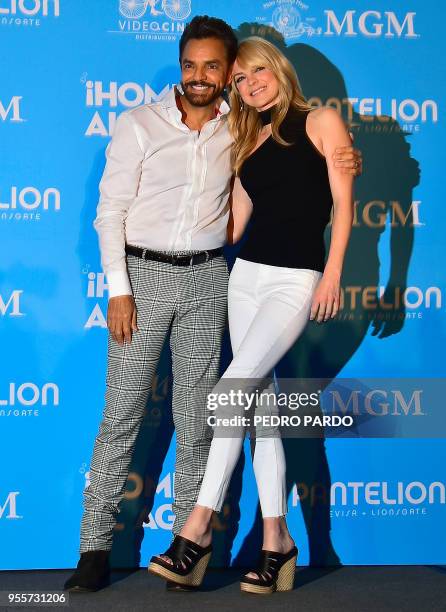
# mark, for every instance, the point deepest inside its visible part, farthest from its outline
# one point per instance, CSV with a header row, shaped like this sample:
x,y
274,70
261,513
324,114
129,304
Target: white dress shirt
x,y
164,187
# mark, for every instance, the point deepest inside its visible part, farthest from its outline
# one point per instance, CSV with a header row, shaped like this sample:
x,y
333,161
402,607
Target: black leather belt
x,y
175,260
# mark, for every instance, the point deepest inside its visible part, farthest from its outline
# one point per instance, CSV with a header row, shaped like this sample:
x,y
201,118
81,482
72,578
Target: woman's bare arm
x,y
331,133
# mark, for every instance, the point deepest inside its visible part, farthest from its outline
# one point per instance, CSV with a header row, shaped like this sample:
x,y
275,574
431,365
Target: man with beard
x,y
162,221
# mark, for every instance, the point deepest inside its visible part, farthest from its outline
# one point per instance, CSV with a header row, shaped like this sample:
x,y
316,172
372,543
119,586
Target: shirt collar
x,y
168,101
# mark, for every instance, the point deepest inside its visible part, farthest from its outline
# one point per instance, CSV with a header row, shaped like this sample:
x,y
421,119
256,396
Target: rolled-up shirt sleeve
x,y
118,189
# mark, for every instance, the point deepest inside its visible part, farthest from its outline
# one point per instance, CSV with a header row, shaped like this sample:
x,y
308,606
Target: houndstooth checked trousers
x,y
191,302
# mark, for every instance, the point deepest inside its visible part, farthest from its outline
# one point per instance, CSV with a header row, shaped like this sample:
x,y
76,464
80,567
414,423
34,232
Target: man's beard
x,y
201,99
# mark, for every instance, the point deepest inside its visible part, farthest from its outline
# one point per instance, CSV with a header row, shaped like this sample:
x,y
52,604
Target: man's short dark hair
x,y
203,26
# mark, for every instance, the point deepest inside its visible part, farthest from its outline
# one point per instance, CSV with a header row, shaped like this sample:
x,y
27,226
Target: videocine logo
x,y
163,19
9,508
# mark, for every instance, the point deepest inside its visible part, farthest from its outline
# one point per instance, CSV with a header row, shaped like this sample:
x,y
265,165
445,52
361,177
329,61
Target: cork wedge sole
x,y
283,582
193,578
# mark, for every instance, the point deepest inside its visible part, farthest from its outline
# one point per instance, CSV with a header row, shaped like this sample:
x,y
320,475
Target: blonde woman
x,y
287,183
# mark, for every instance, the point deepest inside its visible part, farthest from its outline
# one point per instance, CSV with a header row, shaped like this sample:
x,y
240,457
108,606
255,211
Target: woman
x,y
285,178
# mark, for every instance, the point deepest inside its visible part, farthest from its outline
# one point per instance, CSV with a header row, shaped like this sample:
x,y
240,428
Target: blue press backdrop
x,y
69,67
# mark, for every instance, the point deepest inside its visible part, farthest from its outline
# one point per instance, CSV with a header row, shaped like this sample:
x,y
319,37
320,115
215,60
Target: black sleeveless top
x,y
291,197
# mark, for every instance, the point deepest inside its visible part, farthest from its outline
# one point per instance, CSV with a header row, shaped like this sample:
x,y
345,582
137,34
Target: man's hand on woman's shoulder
x,y
346,157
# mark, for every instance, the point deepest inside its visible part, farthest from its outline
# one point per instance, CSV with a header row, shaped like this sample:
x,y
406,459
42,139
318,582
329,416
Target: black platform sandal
x,y
275,573
189,562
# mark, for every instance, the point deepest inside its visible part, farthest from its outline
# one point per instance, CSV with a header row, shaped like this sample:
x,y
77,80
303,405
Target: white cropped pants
x,y
268,307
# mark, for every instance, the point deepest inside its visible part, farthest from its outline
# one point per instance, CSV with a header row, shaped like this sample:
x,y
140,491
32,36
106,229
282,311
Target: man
x,y
162,220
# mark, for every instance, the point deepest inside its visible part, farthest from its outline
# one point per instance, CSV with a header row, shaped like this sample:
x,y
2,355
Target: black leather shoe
x,y
175,587
92,573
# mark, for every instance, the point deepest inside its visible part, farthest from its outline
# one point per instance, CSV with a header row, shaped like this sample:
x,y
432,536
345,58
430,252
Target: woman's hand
x,y
326,297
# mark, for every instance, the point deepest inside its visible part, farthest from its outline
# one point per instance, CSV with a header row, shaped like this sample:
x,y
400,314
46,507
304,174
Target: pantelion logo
x,y
25,399
372,499
27,13
27,203
153,19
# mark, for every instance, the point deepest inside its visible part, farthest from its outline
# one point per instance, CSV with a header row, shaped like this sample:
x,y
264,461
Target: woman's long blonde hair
x,y
244,122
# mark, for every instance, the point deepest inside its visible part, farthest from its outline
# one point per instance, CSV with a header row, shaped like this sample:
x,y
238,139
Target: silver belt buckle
x,y
144,251
207,257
